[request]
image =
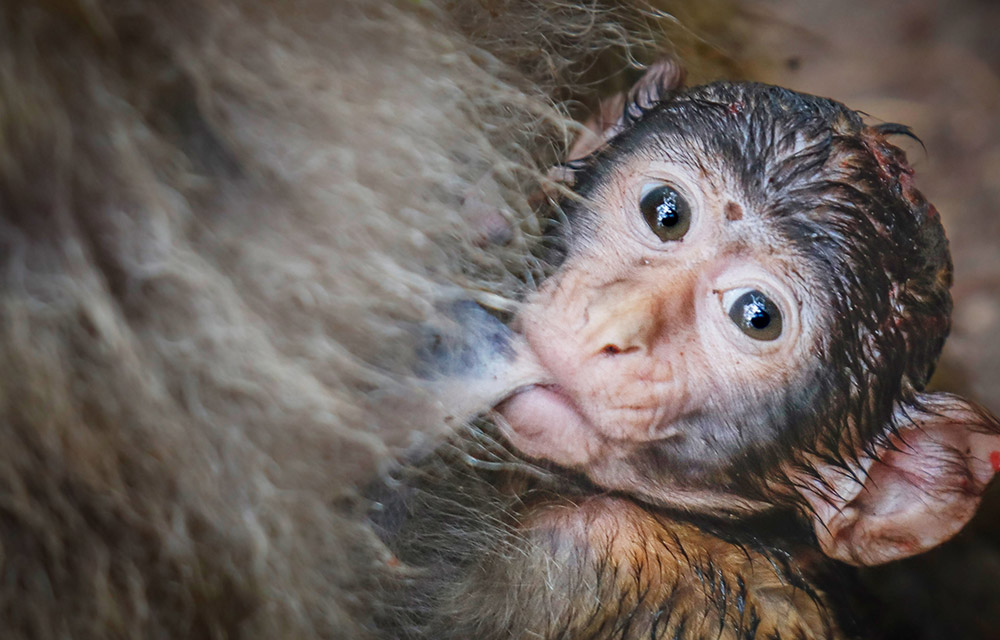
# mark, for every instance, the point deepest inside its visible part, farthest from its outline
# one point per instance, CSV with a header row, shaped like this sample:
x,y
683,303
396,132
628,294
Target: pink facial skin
x,y
634,332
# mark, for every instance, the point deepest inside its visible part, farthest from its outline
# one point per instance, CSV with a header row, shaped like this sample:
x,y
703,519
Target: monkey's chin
x,y
542,421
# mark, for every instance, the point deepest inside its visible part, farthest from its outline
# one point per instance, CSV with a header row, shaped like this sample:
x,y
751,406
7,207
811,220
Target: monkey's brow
x,y
685,158
673,148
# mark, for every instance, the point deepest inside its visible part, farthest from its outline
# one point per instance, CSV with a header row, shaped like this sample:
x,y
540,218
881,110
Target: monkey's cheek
x,y
543,423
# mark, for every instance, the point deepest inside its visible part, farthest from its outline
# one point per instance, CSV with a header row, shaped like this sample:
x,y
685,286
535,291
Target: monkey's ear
x,y
923,484
618,111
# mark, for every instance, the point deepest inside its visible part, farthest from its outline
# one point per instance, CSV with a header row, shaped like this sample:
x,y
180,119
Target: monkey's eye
x,y
756,315
666,212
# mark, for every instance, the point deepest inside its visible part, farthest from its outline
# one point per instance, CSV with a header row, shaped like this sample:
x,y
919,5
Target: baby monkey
x,y
750,298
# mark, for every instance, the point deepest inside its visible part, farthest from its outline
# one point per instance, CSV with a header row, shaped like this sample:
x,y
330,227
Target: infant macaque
x,y
751,299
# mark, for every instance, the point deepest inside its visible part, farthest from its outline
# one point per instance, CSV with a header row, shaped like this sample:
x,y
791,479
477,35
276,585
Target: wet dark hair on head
x,y
843,197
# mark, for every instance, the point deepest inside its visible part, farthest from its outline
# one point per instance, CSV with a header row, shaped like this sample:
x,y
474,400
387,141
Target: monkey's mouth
x,y
550,391
543,420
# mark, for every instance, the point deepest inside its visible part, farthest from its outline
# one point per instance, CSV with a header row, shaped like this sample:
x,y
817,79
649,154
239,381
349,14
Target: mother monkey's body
x,y
751,300
220,222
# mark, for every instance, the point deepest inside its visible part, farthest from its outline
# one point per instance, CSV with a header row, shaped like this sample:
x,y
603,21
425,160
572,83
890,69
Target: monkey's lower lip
x,y
546,422
555,390
549,390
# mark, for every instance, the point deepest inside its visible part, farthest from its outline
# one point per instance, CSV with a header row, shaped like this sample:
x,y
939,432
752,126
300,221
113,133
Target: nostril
x,y
614,350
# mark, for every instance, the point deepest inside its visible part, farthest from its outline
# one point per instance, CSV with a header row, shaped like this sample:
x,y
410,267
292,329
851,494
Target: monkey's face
x,y
752,298
671,336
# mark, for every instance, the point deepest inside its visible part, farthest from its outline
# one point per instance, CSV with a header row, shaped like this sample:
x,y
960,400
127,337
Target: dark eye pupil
x,y
756,316
666,212
755,312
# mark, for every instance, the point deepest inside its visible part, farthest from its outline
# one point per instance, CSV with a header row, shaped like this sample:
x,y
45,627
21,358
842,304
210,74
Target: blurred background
x,y
933,65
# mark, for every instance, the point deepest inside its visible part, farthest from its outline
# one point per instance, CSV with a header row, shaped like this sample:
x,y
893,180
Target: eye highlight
x,y
756,315
666,212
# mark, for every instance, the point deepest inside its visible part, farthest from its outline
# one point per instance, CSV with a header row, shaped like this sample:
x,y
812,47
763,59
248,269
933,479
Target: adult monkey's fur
x,y
217,222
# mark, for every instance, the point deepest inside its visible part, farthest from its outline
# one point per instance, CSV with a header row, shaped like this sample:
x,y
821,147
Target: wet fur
x,y
532,552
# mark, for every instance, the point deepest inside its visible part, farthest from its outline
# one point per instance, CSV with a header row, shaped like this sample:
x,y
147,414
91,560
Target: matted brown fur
x,y
216,221
605,567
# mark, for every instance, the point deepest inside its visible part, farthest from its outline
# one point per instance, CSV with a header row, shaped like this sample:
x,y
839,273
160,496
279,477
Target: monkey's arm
x,y
606,567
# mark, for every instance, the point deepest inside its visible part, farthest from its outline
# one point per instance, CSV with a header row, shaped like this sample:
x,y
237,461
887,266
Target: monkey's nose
x,y
624,334
619,325
631,317
614,350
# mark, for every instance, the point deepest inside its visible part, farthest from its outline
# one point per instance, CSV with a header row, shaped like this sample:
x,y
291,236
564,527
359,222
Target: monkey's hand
x,y
614,113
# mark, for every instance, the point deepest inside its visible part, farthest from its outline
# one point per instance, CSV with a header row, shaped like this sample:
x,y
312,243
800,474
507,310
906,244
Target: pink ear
x,y
921,488
660,78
